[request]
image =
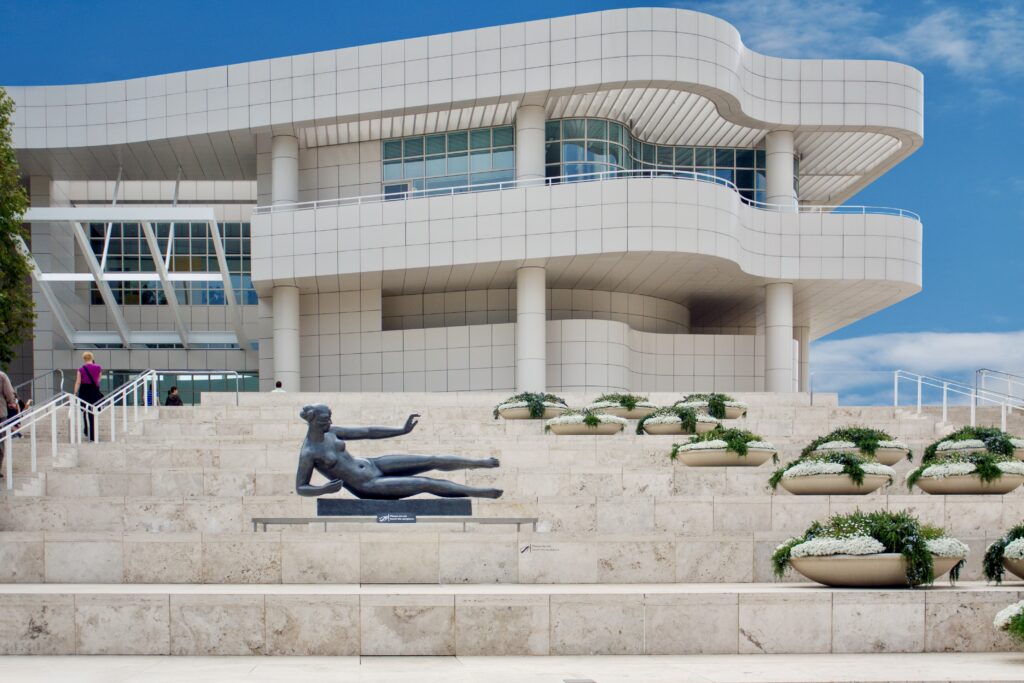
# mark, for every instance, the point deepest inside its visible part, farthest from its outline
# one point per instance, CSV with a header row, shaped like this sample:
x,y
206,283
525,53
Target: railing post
x,y
71,421
896,389
53,433
945,405
35,452
1002,416
919,379
124,412
95,422
9,456
135,400
974,409
113,420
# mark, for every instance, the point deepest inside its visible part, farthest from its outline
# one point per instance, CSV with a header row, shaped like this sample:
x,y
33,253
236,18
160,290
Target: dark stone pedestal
x,y
423,507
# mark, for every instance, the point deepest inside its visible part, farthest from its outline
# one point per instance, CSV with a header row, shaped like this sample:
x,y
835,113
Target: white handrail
x,y
1005,402
584,177
1014,384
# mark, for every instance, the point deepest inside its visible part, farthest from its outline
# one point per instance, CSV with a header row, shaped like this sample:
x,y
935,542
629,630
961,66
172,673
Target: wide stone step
x,y
498,620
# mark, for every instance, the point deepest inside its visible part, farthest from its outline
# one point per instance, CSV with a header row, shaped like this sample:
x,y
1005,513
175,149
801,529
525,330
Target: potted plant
x,y
968,466
1018,448
530,406
583,422
725,448
869,442
1011,620
629,406
722,406
676,420
835,473
991,439
1007,553
866,549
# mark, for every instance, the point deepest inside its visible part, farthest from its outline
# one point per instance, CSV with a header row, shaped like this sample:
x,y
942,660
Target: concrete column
x,y
531,330
286,336
802,335
778,337
779,148
284,169
530,142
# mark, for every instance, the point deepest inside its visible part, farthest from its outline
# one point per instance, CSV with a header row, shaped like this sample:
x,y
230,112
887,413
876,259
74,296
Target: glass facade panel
x,y
485,153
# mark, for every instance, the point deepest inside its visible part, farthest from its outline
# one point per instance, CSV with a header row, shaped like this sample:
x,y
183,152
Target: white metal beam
x,y
234,311
133,276
161,271
119,214
94,267
64,326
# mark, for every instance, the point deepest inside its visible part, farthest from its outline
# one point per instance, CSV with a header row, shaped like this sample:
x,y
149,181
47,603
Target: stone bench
x,y
518,521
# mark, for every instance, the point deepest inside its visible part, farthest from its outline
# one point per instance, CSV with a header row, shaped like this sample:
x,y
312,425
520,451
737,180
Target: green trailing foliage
x,y
688,417
627,401
986,465
534,402
1015,627
735,441
853,466
590,418
898,532
866,439
716,403
992,563
995,440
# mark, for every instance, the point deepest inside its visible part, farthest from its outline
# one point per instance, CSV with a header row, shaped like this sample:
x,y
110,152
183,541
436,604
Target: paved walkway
x,y
897,668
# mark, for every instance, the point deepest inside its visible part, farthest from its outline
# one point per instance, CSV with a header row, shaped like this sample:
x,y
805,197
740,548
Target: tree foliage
x,y
16,308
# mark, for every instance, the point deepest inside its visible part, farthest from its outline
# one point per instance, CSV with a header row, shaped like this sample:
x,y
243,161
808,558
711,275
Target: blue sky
x,y
967,182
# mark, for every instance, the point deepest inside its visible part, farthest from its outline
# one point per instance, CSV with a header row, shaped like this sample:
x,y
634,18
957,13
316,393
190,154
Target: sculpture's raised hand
x,y
332,486
411,422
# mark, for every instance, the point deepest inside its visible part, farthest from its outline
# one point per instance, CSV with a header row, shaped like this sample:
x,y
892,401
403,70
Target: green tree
x,y
16,308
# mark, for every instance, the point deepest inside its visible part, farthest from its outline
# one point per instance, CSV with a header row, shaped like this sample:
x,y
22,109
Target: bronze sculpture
x,y
387,477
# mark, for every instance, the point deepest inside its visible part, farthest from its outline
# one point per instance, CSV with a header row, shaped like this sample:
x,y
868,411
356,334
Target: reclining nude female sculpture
x,y
387,477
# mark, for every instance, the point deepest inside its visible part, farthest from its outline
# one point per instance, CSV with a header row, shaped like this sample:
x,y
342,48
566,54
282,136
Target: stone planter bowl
x,y
524,413
637,413
666,428
832,485
966,450
969,484
890,456
604,429
1018,453
863,571
1015,567
733,412
722,457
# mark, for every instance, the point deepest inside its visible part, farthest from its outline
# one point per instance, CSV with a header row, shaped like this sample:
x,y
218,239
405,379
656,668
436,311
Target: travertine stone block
x,y
878,621
492,625
242,558
633,514
320,558
478,558
234,482
739,514
605,624
797,623
691,624
716,559
215,515
551,559
647,482
312,625
217,624
407,625
973,515
21,557
689,516
155,515
398,558
125,624
959,621
185,483
792,514
84,558
37,624
94,514
640,560
163,558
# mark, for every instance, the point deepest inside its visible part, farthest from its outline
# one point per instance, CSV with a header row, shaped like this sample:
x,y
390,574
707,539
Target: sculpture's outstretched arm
x,y
303,476
354,433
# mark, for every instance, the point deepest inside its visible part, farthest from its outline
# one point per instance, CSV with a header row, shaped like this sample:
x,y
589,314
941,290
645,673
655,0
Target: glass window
x,y
666,156
458,142
413,147
617,155
725,157
480,161
573,129
684,156
503,136
572,151
759,158
458,163
649,154
479,139
597,129
503,159
435,166
413,168
597,150
614,132
552,130
724,174
745,179
745,158
393,149
392,170
551,155
704,156
435,144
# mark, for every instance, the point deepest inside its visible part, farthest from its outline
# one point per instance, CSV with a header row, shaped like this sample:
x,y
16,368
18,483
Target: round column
x,y
530,142
778,337
779,149
802,335
286,336
531,330
284,169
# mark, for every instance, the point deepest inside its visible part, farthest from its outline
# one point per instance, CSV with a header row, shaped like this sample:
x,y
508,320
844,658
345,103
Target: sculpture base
x,y
425,507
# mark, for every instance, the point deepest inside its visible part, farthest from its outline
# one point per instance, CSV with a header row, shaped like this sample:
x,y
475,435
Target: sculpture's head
x,y
318,416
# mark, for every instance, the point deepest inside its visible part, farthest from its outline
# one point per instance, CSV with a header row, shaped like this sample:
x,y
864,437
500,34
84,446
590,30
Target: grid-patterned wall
x,y
478,307
328,172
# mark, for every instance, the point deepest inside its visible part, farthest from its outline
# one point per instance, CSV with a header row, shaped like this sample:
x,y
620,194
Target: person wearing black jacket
x,y
173,399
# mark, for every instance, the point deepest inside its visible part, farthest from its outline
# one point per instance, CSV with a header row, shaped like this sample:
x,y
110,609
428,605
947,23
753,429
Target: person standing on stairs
x,y
87,388
7,398
173,399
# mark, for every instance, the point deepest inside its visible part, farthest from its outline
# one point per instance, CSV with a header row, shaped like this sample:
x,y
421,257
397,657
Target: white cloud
x,y
971,40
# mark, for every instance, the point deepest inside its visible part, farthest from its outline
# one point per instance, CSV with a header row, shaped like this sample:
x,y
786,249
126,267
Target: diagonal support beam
x,y
161,271
234,310
101,284
64,326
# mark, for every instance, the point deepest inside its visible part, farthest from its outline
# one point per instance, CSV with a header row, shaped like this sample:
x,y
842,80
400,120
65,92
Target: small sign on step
x,y
396,518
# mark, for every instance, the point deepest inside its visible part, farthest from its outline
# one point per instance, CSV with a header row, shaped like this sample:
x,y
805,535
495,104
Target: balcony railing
x,y
844,209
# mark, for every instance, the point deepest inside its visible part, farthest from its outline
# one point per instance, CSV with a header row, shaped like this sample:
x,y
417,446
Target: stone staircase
x,y
631,550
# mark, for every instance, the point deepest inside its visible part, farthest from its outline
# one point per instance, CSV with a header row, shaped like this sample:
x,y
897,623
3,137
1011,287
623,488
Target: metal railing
x,y
578,178
814,379
997,380
205,374
123,401
36,387
953,388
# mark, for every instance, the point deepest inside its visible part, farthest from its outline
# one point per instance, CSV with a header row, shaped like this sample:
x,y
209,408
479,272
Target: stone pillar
x,y
284,169
286,336
531,330
779,148
802,334
530,142
778,337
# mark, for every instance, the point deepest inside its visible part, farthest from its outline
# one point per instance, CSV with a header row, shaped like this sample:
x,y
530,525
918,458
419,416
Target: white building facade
x,y
629,199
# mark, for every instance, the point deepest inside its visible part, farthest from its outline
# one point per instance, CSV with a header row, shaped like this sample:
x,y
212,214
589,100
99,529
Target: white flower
x,y
1017,443
966,444
948,469
704,417
810,468
1015,549
735,404
577,418
947,547
1002,619
837,446
894,444
696,405
662,420
1014,467
855,545
524,404
600,405
761,445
